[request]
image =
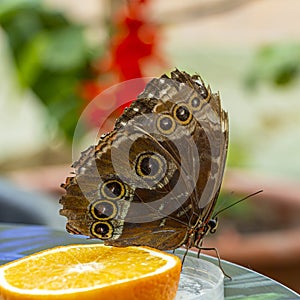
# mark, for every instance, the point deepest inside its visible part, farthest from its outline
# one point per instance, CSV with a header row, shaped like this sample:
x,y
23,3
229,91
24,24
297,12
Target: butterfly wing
x,y
145,183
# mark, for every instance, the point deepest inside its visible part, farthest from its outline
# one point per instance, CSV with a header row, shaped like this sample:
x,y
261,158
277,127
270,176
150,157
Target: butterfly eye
x,y
112,189
182,114
149,165
102,230
166,124
103,210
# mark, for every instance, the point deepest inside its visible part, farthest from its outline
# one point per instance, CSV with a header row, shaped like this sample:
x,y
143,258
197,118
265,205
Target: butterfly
x,y
154,180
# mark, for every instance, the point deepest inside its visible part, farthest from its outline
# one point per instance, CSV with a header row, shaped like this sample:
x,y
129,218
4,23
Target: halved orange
x,y
92,271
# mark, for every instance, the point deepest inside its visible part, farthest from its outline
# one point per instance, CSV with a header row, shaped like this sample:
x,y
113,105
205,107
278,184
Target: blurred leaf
x,y
11,7
237,155
66,50
51,57
53,19
30,59
21,27
275,64
59,93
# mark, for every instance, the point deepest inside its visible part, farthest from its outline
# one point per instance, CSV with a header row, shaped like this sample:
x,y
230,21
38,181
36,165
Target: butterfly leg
x,y
188,246
199,247
184,255
218,256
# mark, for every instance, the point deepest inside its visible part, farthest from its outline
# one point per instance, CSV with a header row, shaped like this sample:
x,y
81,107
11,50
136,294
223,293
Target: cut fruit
x,y
92,272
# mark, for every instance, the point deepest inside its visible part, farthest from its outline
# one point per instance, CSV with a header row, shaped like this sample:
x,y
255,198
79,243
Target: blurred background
x,y
56,56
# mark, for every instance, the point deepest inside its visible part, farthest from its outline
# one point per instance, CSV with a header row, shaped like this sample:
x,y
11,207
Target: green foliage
x,y
237,155
278,64
51,56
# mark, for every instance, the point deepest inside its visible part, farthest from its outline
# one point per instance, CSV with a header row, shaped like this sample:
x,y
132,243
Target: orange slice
x,y
92,272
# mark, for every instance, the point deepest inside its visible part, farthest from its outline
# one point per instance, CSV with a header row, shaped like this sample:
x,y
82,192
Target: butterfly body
x,y
155,179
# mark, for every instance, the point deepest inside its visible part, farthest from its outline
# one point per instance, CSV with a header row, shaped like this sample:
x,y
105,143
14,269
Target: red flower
x,y
134,45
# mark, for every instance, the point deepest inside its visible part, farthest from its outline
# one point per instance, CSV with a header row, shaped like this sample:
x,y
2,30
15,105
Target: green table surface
x,y
17,241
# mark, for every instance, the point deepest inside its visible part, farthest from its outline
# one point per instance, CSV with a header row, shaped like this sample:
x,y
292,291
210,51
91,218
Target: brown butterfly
x,y
155,178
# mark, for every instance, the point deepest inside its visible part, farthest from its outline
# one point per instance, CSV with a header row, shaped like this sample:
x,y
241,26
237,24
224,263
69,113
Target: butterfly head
x,y
202,230
212,225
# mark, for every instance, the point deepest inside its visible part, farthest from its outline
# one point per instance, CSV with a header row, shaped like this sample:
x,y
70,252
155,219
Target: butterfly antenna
x,y
241,200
